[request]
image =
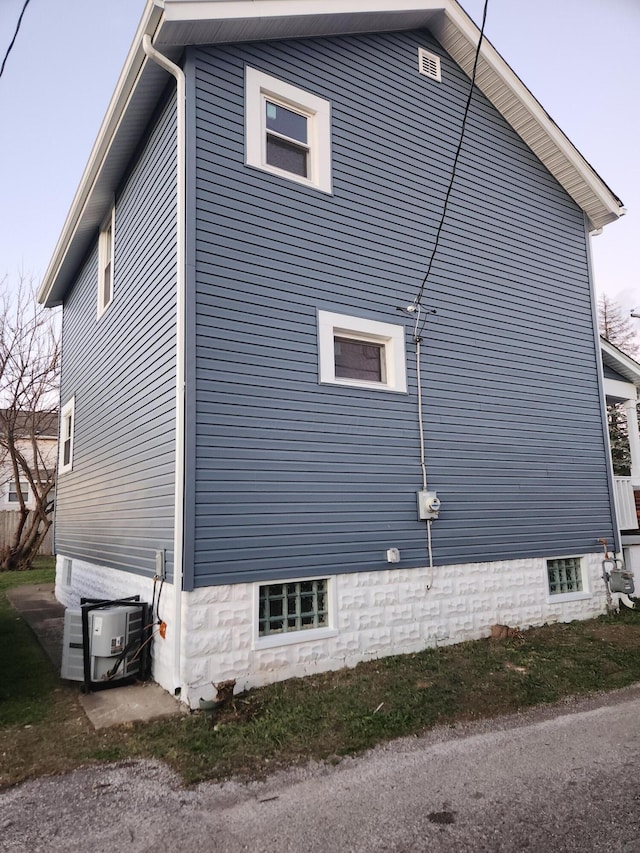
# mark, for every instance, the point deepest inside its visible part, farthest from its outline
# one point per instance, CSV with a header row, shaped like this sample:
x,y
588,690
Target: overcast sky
x,y
578,57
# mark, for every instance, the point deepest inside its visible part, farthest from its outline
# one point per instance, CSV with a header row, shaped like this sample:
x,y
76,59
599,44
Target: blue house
x,y
318,477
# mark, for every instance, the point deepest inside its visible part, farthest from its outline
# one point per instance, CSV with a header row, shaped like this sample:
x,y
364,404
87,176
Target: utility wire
x,y
418,298
15,35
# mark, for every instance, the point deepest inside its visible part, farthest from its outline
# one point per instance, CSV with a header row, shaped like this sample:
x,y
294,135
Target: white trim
x,y
621,390
106,255
567,596
317,111
67,415
391,335
305,635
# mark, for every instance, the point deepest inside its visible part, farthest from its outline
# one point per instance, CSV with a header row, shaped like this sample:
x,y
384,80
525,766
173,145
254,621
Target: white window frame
x,y
258,88
67,570
106,255
23,486
560,597
67,417
305,635
390,335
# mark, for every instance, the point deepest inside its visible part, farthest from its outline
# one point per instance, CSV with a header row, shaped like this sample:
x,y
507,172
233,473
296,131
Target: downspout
x,y
601,391
178,528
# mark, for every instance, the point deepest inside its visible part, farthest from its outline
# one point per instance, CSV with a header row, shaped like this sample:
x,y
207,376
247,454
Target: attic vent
x,y
429,64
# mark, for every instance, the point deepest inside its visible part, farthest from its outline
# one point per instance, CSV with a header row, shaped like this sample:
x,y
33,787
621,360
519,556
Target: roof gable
x,y
174,24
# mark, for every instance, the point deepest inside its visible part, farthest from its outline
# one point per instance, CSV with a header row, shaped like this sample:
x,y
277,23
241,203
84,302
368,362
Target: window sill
x,y
365,386
291,176
292,637
568,596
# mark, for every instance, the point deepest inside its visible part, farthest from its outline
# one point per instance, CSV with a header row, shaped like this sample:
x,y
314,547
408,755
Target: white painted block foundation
x,y
375,614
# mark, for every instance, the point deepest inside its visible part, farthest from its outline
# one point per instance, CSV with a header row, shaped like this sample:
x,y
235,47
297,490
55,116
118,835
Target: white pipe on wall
x,y
178,529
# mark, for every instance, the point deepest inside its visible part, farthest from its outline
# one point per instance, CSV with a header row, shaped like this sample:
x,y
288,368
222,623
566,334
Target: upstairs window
x,y
288,131
105,264
287,145
67,424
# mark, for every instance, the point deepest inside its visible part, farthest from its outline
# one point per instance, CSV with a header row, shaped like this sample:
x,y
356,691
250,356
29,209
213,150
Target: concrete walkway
x,y
134,703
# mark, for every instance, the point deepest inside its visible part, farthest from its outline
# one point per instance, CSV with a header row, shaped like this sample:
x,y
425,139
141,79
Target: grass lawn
x,y
43,728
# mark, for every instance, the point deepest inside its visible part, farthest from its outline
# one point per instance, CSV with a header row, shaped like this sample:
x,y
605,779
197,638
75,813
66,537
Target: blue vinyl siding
x,y
294,478
116,507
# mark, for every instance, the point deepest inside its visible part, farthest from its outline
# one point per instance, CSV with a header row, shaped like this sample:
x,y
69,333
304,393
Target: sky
x,y
578,57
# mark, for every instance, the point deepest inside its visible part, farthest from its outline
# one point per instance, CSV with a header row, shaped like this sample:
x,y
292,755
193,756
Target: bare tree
x,y
616,326
29,376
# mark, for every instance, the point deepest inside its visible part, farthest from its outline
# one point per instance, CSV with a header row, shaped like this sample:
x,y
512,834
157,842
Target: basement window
x,y
67,569
361,353
564,577
294,611
293,607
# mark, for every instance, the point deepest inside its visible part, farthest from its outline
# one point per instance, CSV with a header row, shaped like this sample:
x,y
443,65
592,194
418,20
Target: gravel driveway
x,y
556,779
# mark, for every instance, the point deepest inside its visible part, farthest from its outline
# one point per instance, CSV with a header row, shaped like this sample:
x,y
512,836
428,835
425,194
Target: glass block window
x,y
564,575
294,606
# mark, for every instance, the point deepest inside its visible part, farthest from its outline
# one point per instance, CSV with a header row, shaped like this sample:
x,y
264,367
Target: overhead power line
x,y
418,298
15,35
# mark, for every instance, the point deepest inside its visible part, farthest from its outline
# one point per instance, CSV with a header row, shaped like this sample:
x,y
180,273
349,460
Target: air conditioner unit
x,y
112,639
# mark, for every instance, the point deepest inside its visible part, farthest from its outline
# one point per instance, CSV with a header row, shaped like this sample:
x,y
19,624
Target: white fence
x,y
9,521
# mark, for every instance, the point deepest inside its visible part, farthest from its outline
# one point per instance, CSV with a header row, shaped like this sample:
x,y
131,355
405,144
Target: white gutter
x,y
617,538
178,525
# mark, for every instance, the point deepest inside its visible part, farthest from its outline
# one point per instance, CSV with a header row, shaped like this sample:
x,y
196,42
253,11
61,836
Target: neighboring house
x,y
38,444
621,384
240,405
36,439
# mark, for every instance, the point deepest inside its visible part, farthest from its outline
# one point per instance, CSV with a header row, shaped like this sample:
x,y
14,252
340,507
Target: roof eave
x,y
619,361
175,23
126,86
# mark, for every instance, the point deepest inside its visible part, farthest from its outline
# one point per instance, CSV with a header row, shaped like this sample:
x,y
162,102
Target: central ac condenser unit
x,y
108,648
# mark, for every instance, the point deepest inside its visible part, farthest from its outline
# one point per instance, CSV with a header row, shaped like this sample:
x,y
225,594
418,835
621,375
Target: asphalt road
x,y
559,779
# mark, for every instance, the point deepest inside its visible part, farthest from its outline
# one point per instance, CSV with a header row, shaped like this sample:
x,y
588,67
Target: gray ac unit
x,y
114,637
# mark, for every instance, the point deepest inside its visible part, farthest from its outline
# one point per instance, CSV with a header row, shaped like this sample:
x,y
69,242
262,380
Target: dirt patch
x,y
621,636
